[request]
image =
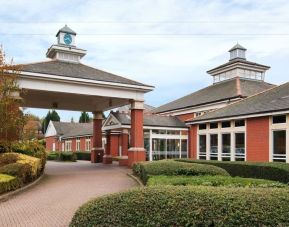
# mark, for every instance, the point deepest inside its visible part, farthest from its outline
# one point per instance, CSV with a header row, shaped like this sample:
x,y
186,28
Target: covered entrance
x,y
65,83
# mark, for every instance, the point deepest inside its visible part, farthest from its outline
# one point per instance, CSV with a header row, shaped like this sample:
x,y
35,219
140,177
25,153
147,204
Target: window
x,y
147,147
279,119
226,147
239,123
173,132
213,125
202,126
184,149
214,147
226,124
77,144
156,131
240,147
67,145
87,144
159,149
173,148
202,147
279,145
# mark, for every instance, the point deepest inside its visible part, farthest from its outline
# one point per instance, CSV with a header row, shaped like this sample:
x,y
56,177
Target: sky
x,y
169,44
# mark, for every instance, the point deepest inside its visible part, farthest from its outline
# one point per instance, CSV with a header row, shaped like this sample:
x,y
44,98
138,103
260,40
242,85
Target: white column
x,y
208,146
287,140
180,155
233,146
219,146
151,146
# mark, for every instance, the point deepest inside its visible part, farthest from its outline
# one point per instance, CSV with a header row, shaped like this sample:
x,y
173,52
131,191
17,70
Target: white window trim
x,y
219,131
277,127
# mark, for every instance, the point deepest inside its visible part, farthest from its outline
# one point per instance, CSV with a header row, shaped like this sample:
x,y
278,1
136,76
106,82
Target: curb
x,y
8,195
136,179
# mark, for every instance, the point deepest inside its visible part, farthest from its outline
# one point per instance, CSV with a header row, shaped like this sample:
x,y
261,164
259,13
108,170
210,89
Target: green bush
x,y
271,171
8,158
9,183
67,156
82,155
22,171
187,206
32,148
52,156
213,181
169,167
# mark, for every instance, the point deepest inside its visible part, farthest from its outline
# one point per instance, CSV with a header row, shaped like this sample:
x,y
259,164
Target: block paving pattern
x,y
65,187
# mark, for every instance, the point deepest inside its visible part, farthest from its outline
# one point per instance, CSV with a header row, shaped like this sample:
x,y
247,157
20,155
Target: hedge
x,y
83,155
9,183
271,171
187,206
52,156
213,181
67,156
19,170
169,167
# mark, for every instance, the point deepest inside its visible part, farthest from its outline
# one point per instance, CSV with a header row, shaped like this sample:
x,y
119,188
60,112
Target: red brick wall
x,y
49,143
257,136
82,144
185,117
137,128
114,145
73,144
193,141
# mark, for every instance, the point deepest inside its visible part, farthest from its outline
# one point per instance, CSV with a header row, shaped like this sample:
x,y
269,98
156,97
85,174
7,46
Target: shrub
x,y
9,183
212,181
32,148
52,156
8,158
83,155
21,171
67,156
271,171
187,206
169,167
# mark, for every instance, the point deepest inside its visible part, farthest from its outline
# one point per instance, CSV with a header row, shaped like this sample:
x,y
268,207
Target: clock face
x,y
67,39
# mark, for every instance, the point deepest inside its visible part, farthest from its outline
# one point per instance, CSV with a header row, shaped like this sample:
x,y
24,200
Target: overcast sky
x,y
166,43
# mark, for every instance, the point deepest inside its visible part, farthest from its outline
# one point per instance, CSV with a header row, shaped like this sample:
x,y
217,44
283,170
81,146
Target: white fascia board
x,y
215,105
50,131
239,117
86,81
111,127
81,88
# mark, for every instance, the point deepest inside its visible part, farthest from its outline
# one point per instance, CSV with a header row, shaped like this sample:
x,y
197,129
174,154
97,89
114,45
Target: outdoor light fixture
x,y
54,105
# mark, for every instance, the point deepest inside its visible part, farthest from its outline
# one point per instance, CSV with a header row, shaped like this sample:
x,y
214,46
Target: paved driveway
x,y
65,186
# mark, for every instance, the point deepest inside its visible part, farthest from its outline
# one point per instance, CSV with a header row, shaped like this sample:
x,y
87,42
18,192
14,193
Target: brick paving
x,y
65,187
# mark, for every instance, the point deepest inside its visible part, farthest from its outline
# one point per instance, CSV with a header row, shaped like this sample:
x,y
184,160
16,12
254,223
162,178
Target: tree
x,y
50,116
12,119
84,117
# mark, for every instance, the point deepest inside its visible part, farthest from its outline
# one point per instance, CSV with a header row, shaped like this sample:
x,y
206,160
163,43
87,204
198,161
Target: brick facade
x,y
257,136
193,141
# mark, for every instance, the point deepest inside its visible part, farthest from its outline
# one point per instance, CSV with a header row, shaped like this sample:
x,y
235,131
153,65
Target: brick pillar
x,y
257,136
107,158
97,149
193,141
136,153
123,160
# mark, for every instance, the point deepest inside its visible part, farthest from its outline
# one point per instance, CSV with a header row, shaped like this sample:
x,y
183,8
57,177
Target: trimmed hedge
x,y
187,206
86,156
270,171
21,171
67,157
213,181
52,156
169,167
9,183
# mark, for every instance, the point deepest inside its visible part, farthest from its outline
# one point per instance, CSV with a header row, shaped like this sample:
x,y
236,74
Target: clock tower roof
x,y
66,29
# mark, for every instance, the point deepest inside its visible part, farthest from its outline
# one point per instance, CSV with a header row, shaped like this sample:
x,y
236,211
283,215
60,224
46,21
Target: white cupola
x,y
237,52
65,49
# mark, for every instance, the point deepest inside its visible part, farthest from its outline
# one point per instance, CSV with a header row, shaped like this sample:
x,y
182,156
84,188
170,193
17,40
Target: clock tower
x,y
65,49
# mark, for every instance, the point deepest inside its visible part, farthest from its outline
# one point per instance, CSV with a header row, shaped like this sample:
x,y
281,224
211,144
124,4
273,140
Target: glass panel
x,y
159,149
279,145
226,124
214,147
184,149
202,146
213,125
155,131
279,119
240,147
147,147
202,126
173,132
226,147
239,123
173,148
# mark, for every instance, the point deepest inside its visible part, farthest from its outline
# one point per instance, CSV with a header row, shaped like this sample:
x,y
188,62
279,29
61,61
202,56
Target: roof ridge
x,y
242,100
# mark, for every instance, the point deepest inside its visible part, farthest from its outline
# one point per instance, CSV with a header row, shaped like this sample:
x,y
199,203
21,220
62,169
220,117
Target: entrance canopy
x,y
63,85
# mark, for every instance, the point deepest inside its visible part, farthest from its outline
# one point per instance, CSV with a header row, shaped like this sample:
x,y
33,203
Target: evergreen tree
x,y
84,117
50,116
